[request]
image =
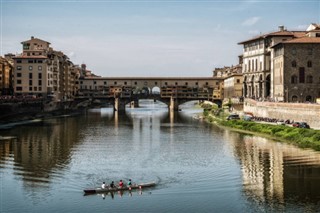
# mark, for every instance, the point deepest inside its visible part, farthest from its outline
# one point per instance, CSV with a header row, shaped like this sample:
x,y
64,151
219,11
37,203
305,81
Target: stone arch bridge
x,y
119,91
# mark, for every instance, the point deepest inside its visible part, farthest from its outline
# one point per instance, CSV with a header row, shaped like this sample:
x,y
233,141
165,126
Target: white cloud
x,y
251,21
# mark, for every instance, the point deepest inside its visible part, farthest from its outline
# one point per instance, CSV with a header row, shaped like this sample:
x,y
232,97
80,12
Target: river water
x,y
197,167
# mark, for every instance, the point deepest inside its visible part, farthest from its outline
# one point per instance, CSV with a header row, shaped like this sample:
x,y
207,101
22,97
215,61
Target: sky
x,y
149,38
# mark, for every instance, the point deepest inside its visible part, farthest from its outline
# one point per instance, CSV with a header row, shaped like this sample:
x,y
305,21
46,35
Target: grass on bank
x,y
304,138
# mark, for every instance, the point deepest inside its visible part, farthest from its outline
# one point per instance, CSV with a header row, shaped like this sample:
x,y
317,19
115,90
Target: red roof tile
x,y
295,34
304,40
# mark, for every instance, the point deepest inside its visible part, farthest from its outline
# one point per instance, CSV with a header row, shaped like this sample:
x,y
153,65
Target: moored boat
x,y
114,189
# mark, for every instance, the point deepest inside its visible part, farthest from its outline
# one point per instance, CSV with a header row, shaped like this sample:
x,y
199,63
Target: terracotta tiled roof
x,y
295,34
34,39
304,40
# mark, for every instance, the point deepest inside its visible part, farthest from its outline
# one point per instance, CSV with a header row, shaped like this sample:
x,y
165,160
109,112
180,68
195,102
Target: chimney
x,y
281,28
32,37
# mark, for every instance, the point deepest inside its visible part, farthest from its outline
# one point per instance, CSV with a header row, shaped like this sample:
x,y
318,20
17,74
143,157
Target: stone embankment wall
x,y
309,113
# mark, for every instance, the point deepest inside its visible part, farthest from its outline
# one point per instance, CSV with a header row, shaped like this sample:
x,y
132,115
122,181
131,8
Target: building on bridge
x,y
181,89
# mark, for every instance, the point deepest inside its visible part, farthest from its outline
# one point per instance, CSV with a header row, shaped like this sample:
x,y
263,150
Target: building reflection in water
x,y
275,171
40,150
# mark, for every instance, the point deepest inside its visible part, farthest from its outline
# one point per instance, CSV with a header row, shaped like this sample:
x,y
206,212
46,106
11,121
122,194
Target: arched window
x,y
309,98
309,79
294,98
294,79
294,64
309,63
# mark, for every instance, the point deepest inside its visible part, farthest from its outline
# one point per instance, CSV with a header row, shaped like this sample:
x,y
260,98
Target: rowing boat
x,y
124,188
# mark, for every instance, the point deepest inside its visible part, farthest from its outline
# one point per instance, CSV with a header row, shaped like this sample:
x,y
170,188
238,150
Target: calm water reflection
x,y
198,167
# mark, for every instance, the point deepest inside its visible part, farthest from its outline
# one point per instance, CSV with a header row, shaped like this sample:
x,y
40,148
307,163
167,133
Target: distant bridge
x,y
120,91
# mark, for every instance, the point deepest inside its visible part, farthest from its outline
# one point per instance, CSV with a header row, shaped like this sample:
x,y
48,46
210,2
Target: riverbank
x,y
303,138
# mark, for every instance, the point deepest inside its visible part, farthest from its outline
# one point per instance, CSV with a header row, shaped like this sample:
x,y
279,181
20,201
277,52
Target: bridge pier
x,y
119,106
136,103
173,104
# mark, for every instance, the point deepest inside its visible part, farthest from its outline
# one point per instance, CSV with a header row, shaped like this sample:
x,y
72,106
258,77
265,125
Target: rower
x,y
103,186
129,184
112,184
120,184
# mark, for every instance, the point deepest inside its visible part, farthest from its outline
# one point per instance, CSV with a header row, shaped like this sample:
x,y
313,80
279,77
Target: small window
x,y
125,83
105,83
155,83
294,64
39,68
30,75
238,81
30,67
18,81
40,88
135,83
294,79
294,51
19,68
186,83
40,61
30,88
19,88
40,75
30,82
40,82
309,79
197,83
96,82
309,63
176,83
35,88
19,61
115,83
30,61
19,74
207,83
166,83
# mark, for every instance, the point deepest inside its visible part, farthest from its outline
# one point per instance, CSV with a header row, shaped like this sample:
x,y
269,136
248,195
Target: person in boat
x,y
120,184
129,183
112,184
103,186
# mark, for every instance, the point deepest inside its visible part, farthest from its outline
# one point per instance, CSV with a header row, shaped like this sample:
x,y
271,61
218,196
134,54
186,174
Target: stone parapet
x,y
309,113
